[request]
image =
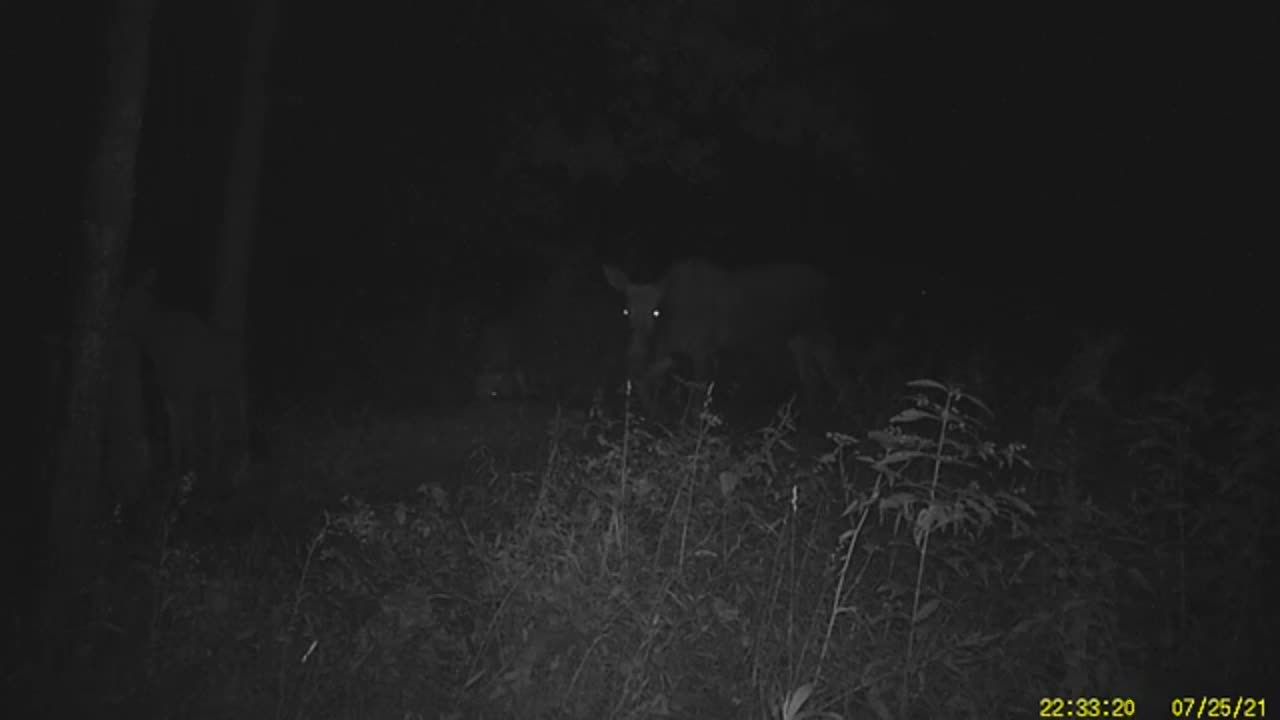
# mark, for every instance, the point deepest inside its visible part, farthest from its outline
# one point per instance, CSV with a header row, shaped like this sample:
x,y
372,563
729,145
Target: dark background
x,y
1031,169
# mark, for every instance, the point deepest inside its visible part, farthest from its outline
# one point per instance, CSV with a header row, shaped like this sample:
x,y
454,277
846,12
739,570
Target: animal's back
x,y
755,310
779,300
699,301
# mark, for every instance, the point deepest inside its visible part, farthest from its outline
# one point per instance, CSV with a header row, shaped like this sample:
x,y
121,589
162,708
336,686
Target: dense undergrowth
x,y
617,568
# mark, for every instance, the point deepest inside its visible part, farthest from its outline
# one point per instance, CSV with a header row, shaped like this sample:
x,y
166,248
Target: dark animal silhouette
x,y
704,316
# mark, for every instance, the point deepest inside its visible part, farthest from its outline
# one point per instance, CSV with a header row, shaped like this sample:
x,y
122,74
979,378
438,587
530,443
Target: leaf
x,y
912,415
927,609
792,704
729,482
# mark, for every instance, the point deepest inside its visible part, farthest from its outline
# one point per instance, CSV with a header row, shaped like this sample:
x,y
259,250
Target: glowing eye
x,y
657,313
626,312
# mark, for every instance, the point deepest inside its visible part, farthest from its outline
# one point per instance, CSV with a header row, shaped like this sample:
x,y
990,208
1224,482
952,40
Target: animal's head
x,y
643,310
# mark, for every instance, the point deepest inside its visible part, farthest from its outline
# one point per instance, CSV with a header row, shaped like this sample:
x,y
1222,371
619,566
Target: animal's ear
x,y
616,278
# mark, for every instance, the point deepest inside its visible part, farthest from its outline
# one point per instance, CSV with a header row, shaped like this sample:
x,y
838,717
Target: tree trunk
x,y
228,411
77,465
243,177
